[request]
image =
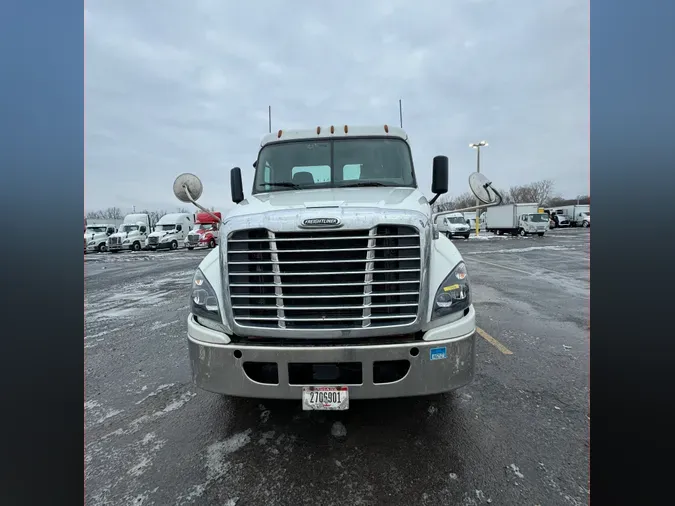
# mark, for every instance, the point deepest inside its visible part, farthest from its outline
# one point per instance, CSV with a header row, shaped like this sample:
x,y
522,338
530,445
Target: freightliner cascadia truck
x,y
331,281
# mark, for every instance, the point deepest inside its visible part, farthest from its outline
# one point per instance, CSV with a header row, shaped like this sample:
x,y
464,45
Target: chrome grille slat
x,y
317,261
322,238
359,295
326,250
333,273
358,279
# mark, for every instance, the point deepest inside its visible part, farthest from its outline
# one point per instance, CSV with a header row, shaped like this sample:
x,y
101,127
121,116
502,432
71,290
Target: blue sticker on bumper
x,y
438,353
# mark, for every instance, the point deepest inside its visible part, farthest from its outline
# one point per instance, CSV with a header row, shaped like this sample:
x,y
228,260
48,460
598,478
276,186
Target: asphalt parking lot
x,y
519,434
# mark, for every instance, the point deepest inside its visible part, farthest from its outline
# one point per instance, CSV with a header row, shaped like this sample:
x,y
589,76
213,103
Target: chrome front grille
x,y
115,240
193,239
344,279
153,240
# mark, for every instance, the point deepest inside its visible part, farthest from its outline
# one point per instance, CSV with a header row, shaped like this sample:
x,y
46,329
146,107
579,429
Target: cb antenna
x,y
400,112
269,118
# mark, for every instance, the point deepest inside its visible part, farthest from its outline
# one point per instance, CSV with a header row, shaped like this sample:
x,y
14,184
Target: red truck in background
x,y
205,231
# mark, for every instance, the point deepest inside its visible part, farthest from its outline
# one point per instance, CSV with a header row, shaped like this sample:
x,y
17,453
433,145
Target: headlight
x,y
203,300
453,295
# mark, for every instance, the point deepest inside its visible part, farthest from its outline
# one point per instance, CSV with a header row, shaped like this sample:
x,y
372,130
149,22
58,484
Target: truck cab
x,y
204,234
331,281
131,235
170,232
96,236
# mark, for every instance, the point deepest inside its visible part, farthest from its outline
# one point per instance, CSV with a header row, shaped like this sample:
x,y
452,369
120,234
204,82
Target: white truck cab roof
x,y
334,131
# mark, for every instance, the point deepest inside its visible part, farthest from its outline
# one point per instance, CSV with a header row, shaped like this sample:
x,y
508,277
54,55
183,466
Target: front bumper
x,y
118,247
215,367
161,245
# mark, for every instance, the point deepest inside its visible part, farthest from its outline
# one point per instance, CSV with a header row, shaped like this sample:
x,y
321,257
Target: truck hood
x,y
373,197
161,234
96,235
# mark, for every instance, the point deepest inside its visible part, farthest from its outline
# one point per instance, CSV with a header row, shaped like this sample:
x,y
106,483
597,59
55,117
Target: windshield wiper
x,y
283,185
362,183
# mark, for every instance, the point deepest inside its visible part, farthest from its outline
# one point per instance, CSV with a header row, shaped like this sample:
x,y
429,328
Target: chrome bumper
x,y
216,368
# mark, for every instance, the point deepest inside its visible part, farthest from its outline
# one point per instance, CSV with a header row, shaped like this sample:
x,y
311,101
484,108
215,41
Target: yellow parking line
x,y
493,341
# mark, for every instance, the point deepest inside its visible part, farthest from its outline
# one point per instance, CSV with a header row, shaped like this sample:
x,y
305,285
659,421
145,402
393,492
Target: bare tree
x,y
112,213
460,201
95,215
182,210
539,192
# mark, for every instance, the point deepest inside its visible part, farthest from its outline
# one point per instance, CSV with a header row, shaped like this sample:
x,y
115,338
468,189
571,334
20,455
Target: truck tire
x,y
114,251
102,248
540,234
522,232
136,246
466,236
190,248
585,224
174,245
212,243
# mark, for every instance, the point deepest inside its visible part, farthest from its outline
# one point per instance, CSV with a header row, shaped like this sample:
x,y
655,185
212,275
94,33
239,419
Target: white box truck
x,y
170,232
131,235
579,214
523,219
331,281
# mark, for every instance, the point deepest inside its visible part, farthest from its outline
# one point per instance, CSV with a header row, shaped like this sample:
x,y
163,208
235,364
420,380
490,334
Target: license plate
x,y
325,398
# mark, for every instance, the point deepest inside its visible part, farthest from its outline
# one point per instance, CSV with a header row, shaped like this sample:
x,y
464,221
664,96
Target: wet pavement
x,y
519,434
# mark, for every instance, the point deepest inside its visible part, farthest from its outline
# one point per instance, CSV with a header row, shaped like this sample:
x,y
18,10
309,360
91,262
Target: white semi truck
x,y
331,281
170,232
96,234
523,219
131,235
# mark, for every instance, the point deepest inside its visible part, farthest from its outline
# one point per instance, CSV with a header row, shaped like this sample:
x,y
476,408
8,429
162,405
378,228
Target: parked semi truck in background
x,y
515,219
205,231
96,234
579,215
170,231
131,235
331,281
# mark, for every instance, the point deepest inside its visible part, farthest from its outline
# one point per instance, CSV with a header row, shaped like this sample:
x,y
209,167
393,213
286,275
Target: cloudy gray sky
x,y
174,86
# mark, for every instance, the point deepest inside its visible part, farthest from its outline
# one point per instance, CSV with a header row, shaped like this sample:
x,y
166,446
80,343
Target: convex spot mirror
x,y
482,189
187,187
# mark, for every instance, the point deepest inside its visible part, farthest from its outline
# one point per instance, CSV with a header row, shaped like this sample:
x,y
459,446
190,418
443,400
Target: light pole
x,y
477,146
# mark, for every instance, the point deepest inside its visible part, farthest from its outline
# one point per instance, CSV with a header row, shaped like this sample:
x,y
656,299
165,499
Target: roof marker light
x,y
332,129
346,129
279,134
318,130
386,128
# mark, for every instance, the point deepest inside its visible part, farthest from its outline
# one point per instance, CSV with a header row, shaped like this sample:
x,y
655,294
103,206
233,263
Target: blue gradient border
x,y
632,176
41,161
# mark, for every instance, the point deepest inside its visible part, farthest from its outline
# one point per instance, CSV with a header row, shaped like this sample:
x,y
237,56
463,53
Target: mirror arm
x,y
187,192
473,208
431,202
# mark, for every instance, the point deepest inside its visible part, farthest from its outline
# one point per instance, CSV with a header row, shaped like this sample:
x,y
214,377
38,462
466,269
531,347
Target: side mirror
x,y
439,178
236,185
187,188
439,181
143,230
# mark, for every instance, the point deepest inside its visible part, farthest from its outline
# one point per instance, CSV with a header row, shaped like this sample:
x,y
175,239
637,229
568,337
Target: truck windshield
x,y
203,226
165,228
334,163
96,230
538,218
128,228
456,219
